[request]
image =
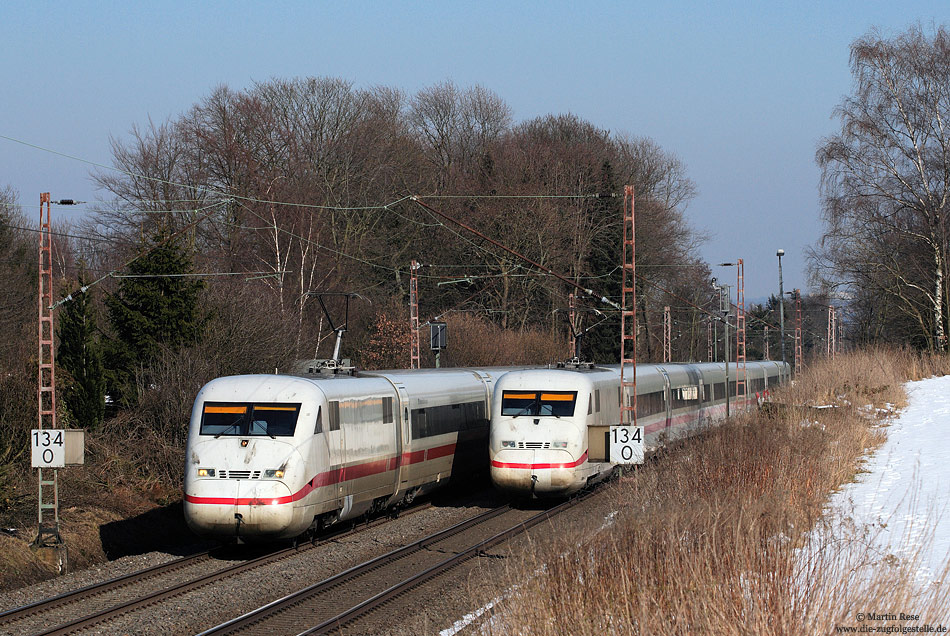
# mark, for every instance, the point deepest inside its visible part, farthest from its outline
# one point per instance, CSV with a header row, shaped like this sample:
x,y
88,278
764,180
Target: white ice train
x,y
549,426
270,456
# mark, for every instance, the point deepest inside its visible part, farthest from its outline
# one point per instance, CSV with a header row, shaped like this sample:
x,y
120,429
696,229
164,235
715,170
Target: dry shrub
x,y
475,342
130,456
17,417
389,338
873,375
709,536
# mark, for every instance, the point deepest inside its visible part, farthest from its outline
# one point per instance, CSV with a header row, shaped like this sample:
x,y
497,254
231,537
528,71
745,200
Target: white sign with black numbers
x,y
626,444
49,448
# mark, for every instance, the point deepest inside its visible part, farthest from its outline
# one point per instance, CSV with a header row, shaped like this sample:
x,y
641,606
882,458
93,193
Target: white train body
x,y
540,442
269,456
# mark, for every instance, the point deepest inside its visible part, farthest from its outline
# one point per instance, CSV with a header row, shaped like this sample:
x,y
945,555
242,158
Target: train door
x,y
668,398
404,445
695,410
319,454
336,448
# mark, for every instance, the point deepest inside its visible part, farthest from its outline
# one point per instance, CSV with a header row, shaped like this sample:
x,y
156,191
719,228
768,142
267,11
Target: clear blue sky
x,y
742,92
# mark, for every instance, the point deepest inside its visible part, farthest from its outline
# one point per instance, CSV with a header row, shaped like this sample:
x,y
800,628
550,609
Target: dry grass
x,y
716,535
118,503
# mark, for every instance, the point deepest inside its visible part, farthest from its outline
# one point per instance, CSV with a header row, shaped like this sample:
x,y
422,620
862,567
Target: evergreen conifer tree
x,y
80,355
156,307
602,343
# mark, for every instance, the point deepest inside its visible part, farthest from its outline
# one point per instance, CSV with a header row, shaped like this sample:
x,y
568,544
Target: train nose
x,y
239,508
536,472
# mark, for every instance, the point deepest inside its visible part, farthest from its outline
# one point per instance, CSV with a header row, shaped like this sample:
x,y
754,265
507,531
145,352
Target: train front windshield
x,y
537,403
247,419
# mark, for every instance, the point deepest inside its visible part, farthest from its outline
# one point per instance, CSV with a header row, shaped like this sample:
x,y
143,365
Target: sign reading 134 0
x,y
49,448
626,444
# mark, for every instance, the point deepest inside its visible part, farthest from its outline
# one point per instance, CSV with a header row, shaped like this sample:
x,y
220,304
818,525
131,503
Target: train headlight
x,y
558,444
276,473
206,472
507,444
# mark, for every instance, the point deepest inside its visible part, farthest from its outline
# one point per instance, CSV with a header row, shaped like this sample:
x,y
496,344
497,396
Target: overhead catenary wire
x,y
386,206
276,228
714,314
65,235
708,312
542,268
549,272
199,274
518,196
209,190
84,288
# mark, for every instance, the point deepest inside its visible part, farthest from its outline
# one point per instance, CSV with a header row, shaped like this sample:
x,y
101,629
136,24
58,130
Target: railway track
x,y
336,603
101,602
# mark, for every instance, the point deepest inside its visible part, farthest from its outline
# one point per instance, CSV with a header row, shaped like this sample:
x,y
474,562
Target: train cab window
x,y
597,400
590,404
334,415
519,403
278,420
559,404
318,425
387,410
229,418
556,403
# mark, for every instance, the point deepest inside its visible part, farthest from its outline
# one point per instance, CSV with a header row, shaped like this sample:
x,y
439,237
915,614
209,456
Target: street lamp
x,y
725,300
781,305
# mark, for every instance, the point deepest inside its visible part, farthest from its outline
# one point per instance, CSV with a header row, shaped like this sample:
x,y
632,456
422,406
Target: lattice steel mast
x,y
741,375
48,489
628,312
414,358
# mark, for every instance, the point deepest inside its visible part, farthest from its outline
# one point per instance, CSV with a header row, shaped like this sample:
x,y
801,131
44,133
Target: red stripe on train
x,y
497,464
333,476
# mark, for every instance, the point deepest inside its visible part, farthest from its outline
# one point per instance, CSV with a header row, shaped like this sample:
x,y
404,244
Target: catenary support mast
x,y
741,375
414,358
572,340
667,334
48,482
628,313
798,330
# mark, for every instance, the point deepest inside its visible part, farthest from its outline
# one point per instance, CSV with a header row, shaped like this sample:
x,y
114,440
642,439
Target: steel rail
x,y
272,609
96,589
176,590
369,605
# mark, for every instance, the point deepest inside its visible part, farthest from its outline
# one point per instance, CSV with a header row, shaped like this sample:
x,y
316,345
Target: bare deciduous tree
x,y
886,183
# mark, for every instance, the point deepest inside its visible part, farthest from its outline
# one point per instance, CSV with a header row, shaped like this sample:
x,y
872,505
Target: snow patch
x,y
896,504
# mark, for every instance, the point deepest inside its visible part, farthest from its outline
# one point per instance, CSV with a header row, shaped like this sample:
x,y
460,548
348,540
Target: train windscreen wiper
x,y
229,427
527,410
